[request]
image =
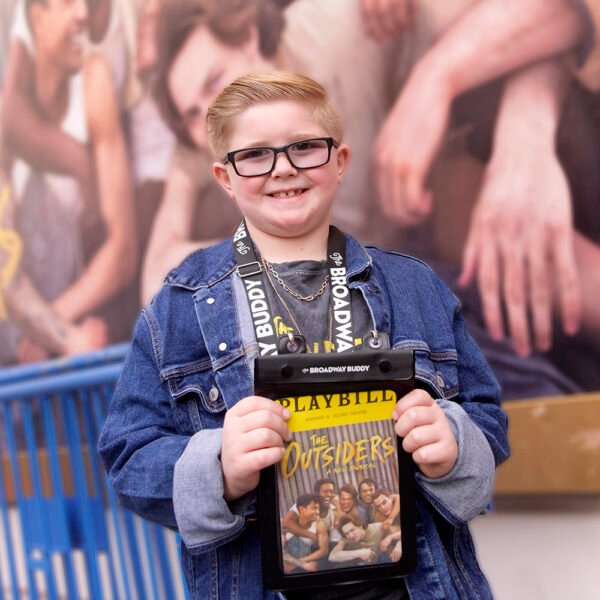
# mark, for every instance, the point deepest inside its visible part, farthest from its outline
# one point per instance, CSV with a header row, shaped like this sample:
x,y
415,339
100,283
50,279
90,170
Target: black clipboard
x,y
342,429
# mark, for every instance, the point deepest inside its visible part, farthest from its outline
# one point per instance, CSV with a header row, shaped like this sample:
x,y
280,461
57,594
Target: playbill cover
x,y
339,507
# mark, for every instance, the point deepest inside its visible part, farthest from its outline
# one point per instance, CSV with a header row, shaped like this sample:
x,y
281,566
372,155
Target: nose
x,y
283,168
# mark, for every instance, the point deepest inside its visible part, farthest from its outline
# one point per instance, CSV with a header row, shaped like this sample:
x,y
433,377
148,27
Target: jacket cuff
x,y
204,519
466,490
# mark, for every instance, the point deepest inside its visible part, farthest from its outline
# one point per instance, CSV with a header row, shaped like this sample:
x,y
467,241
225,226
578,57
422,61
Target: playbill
x,y
340,505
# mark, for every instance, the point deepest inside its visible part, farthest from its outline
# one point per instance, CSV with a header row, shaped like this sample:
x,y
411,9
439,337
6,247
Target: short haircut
x,y
304,500
345,519
367,482
349,489
321,482
230,21
257,88
381,492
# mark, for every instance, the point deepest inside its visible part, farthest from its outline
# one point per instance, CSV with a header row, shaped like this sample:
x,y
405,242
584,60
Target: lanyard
x,y
250,270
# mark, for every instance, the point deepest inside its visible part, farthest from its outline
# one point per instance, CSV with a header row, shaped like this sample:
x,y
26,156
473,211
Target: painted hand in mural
x,y
407,145
384,19
521,249
91,334
521,241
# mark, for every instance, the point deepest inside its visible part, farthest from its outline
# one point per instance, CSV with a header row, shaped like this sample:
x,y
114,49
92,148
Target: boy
x,y
185,438
362,543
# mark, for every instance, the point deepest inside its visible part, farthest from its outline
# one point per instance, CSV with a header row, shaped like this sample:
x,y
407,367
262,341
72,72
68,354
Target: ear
x,y
35,14
343,158
221,174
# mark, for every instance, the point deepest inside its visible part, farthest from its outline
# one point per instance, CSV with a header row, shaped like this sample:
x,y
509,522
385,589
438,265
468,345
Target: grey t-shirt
x,y
313,319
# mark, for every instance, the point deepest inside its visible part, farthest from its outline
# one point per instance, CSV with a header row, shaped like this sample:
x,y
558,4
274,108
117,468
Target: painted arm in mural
x,y
387,18
523,251
40,143
490,39
113,265
171,238
44,333
520,246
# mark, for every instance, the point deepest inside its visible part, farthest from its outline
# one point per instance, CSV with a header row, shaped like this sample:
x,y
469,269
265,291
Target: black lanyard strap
x,y
250,271
340,292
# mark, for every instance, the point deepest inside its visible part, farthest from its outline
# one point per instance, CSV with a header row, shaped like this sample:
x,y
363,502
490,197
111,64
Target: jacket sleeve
x,y
479,424
139,444
173,479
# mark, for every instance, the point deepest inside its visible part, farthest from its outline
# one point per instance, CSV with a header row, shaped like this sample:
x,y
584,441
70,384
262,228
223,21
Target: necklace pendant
x,y
291,344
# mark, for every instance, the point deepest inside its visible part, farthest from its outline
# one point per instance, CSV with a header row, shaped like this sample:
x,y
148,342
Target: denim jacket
x,y
191,359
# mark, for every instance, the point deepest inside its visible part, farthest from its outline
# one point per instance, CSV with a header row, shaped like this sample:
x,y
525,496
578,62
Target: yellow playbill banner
x,y
345,408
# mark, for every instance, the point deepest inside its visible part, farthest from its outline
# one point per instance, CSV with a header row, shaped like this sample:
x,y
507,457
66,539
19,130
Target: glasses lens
x,y
309,153
254,161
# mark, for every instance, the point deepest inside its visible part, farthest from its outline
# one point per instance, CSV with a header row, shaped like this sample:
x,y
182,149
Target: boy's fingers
x,y
415,417
259,439
431,454
421,436
262,458
263,419
255,403
413,398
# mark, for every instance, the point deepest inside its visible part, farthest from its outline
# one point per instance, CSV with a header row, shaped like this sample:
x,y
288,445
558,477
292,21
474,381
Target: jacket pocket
x,y
197,400
439,371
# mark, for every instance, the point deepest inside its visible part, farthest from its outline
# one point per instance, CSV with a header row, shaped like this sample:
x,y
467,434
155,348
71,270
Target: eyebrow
x,y
297,138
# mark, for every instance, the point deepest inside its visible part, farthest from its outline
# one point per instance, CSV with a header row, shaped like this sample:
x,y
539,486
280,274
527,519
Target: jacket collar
x,y
208,266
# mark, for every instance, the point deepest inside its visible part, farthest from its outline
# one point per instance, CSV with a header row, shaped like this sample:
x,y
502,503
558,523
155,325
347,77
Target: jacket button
x,y
210,301
440,380
222,346
213,394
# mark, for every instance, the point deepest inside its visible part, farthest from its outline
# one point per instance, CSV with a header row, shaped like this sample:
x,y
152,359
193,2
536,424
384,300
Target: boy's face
x,y
366,491
383,504
353,533
60,31
327,493
288,202
310,512
346,501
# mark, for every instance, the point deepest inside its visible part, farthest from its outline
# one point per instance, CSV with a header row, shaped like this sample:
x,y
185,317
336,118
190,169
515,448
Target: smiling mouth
x,y
288,193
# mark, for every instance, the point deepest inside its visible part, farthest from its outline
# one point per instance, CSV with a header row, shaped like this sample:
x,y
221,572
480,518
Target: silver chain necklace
x,y
282,283
295,323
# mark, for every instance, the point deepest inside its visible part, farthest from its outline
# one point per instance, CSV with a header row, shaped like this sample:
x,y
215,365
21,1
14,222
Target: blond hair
x,y
257,88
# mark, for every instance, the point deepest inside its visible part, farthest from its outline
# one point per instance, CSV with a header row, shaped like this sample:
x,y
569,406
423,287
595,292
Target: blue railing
x,y
62,533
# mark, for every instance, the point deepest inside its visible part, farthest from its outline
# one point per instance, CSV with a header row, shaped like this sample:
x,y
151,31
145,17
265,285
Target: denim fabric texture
x,y
191,359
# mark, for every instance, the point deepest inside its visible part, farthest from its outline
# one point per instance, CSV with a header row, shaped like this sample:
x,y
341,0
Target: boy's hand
x,y
253,435
426,432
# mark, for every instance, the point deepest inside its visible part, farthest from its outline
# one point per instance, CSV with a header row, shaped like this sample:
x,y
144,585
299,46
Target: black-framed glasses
x,y
305,154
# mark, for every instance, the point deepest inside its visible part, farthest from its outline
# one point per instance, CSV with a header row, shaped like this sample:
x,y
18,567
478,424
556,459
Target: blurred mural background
x,y
475,131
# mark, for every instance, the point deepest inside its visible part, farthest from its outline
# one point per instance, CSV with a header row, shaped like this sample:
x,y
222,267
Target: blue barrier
x,y
62,533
